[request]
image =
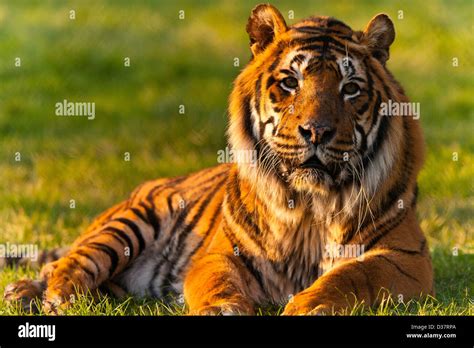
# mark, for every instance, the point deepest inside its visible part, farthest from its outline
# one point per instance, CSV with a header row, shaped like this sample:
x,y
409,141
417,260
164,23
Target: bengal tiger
x,y
329,170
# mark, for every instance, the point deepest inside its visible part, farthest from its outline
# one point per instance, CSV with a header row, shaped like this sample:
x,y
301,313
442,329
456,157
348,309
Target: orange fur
x,y
330,171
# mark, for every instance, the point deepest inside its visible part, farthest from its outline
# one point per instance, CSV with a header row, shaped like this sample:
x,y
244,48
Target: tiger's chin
x,y
311,180
315,177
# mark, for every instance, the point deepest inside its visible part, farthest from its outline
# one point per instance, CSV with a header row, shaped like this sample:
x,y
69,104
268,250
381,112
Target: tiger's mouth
x,y
314,163
312,175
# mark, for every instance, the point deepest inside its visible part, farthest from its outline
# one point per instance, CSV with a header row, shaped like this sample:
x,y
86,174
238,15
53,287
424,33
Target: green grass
x,y
190,62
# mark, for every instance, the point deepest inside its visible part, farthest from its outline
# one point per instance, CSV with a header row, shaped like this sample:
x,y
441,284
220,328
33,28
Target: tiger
x,y
328,173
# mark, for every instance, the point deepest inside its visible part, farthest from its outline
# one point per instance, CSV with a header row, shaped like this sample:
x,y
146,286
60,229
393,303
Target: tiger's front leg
x,y
96,257
219,284
380,273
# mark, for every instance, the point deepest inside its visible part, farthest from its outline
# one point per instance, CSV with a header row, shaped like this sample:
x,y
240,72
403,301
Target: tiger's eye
x,y
350,88
290,82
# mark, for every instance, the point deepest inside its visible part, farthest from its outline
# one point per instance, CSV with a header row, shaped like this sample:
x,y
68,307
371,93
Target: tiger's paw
x,y
66,282
58,297
308,309
25,292
310,303
226,308
55,304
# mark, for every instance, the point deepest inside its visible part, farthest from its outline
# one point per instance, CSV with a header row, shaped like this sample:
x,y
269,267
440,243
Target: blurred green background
x,y
190,61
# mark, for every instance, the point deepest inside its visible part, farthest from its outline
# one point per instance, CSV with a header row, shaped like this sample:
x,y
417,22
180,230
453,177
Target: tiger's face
x,y
310,98
310,119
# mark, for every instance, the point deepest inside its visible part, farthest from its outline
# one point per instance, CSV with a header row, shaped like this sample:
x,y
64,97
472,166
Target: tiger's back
x,y
184,211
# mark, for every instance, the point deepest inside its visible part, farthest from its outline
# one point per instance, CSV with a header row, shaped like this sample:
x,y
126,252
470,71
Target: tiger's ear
x,y
379,35
264,25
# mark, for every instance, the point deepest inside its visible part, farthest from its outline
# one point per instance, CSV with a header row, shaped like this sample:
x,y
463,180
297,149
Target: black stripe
x,y
363,141
385,87
423,245
401,185
274,101
189,227
334,67
297,59
263,125
199,244
156,272
193,188
337,69
164,257
286,71
270,81
247,116
354,287
336,158
320,39
152,219
247,262
136,231
284,93
97,235
289,146
350,69
149,200
89,257
239,212
382,132
161,187
169,202
331,22
187,230
150,211
368,284
357,78
375,112
381,229
404,251
85,269
171,239
324,31
111,253
415,196
385,228
135,193
258,93
275,63
284,136
111,234
320,48
253,270
363,108
398,267
125,237
370,80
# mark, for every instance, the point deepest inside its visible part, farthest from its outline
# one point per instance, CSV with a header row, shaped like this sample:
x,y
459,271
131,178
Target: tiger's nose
x,y
316,133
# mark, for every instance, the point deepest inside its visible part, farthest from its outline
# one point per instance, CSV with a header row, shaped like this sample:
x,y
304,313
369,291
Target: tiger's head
x,y
308,102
